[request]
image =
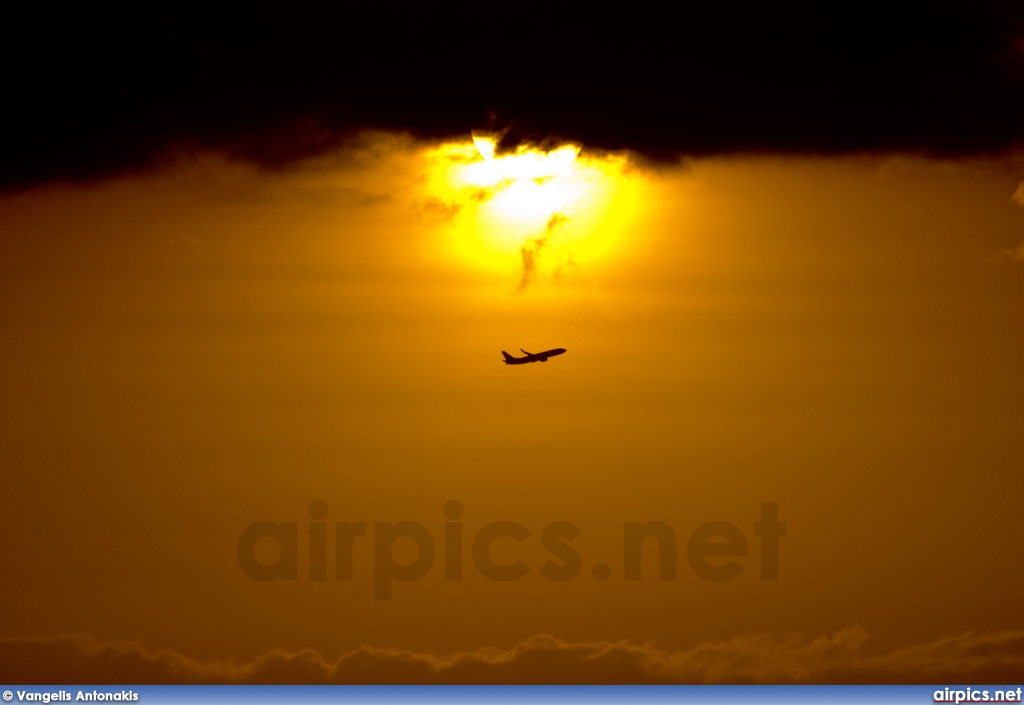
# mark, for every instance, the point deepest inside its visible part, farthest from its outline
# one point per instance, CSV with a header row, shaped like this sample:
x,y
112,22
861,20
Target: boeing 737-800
x,y
531,357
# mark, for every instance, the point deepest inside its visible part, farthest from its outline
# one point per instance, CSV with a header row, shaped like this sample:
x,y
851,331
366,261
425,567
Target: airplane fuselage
x,y
531,357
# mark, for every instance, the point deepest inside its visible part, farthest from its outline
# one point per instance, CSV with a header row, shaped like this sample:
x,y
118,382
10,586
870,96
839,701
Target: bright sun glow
x,y
570,216
526,162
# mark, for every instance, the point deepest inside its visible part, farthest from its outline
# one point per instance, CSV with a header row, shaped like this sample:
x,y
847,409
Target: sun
x,y
526,162
506,202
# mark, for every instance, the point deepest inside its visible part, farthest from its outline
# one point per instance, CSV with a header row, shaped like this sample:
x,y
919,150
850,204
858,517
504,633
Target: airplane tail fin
x,y
508,358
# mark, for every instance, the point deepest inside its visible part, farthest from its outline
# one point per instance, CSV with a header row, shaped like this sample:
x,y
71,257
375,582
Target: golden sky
x,y
201,346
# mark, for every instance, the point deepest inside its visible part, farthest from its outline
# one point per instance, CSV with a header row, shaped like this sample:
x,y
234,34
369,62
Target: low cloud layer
x,y
843,657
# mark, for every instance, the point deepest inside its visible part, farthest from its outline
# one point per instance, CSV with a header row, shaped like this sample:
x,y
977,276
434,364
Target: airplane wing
x,y
528,353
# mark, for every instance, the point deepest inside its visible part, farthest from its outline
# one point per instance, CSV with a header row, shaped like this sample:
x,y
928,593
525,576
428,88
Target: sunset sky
x,y
238,284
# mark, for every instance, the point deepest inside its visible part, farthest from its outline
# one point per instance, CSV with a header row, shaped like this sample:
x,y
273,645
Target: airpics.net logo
x,y
977,695
710,549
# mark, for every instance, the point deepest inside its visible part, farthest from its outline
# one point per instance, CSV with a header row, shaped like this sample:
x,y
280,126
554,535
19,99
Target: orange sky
x,y
191,350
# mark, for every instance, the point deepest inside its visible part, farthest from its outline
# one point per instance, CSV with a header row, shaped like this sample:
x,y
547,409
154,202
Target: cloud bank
x,y
843,657
95,90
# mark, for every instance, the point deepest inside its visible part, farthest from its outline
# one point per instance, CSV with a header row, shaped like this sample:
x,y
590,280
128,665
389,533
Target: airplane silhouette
x,y
531,357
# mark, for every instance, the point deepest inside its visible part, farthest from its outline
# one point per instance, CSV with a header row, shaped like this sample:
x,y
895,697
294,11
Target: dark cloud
x,y
94,89
843,657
